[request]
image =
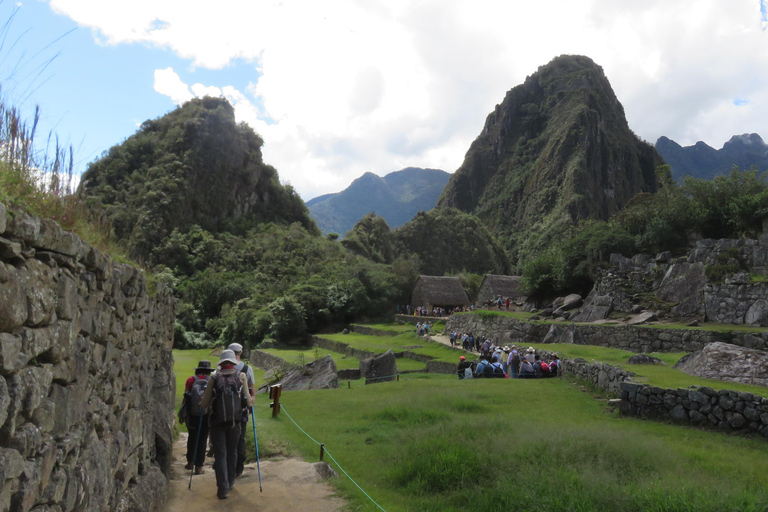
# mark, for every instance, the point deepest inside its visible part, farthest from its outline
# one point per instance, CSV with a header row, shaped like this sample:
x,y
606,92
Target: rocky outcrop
x,y
724,361
644,359
319,374
86,375
379,368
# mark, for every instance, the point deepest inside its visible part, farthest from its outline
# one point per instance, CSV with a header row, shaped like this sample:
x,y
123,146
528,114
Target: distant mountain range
x,y
396,197
705,162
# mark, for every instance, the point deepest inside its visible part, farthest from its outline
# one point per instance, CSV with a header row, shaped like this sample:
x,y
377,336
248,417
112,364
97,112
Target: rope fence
x,y
324,449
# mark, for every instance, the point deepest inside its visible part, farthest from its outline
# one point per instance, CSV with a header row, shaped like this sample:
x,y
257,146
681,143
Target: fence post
x,y
274,394
349,384
398,377
322,451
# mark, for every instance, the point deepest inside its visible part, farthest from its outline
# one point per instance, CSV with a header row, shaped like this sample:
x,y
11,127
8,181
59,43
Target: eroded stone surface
x,y
724,361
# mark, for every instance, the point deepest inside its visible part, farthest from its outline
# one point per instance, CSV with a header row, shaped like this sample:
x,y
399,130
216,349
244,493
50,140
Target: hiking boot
x,y
199,470
188,467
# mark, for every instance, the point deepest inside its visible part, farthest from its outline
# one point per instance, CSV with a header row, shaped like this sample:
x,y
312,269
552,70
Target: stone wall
x,y
86,375
724,409
265,360
505,329
603,376
701,406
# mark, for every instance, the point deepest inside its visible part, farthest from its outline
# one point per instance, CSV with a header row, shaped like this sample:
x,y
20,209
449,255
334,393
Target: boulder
x,y
644,359
724,361
757,314
379,368
642,318
592,313
684,283
319,374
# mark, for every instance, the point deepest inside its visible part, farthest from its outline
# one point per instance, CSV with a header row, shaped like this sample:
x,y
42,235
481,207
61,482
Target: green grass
x,y
439,444
380,344
309,354
392,327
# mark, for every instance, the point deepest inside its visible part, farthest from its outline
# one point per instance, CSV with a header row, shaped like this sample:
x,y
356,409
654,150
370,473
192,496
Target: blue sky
x,y
342,87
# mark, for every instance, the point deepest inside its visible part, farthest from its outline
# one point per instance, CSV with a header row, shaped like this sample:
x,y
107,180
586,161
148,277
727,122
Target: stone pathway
x,y
288,484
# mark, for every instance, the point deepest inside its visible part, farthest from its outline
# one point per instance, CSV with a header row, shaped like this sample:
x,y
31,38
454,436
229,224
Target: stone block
x,y
26,439
70,407
13,299
11,357
23,226
678,413
9,250
43,416
29,485
696,417
66,306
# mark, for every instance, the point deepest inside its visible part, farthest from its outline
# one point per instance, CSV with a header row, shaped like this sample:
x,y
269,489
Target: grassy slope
x,y
380,344
443,444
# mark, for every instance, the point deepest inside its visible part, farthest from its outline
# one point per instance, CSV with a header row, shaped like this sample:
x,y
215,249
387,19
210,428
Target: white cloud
x,y
168,83
345,87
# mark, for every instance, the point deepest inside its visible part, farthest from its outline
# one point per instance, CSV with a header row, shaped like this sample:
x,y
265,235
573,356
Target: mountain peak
x,y
703,161
557,149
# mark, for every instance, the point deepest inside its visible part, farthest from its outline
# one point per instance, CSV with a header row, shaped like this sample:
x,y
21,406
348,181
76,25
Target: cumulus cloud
x,y
346,87
168,83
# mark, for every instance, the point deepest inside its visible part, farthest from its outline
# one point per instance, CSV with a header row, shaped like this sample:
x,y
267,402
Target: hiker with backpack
x,y
464,365
227,395
197,418
242,367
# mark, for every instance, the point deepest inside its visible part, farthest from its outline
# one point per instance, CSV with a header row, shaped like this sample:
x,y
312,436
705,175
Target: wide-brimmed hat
x,y
227,356
531,350
203,366
235,347
506,348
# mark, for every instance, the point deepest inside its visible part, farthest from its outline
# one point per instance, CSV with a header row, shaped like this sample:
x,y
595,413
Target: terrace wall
x,y
699,406
505,329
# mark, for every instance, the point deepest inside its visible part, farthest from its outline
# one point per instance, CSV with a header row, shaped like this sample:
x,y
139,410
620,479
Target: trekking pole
x,y
256,445
194,455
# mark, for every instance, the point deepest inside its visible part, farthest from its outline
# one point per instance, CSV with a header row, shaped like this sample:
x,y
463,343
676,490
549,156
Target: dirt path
x,y
288,484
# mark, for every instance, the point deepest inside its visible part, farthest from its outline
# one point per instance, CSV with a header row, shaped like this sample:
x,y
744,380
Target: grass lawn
x,y
309,354
440,444
380,344
392,327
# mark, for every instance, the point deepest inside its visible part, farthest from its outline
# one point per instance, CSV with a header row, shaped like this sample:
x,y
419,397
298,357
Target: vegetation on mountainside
x,y
556,151
731,206
440,241
193,166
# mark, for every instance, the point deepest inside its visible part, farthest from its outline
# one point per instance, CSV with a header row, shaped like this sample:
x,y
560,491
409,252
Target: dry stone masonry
x,y
86,375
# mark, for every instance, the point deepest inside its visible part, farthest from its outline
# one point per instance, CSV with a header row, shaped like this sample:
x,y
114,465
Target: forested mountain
x,y
193,166
557,150
703,161
396,197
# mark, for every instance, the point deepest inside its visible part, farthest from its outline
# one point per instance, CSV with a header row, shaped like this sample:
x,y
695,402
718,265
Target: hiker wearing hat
x,y
463,365
513,363
227,395
242,367
197,418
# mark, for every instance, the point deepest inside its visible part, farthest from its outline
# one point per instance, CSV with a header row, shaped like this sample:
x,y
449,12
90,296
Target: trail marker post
x,y
274,395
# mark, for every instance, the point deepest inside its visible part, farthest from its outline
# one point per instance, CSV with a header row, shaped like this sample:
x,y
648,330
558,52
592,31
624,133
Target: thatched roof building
x,y
494,286
438,291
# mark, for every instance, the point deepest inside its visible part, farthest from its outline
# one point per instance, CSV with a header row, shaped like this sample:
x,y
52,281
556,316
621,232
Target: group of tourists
x,y
422,329
407,309
215,406
507,362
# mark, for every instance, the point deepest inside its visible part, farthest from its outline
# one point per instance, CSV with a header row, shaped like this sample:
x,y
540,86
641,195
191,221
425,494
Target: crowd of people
x,y
504,362
407,309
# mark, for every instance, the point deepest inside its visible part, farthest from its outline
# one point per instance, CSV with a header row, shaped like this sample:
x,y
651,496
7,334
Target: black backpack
x,y
194,396
498,371
227,399
488,371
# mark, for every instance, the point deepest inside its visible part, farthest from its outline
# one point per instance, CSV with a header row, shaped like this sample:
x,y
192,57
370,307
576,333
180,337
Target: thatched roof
x,y
440,291
504,286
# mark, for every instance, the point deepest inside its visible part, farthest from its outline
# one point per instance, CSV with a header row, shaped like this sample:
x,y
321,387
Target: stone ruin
x,y
86,376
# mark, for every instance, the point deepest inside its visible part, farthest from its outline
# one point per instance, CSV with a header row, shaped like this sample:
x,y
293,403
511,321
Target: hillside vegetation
x,y
193,166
